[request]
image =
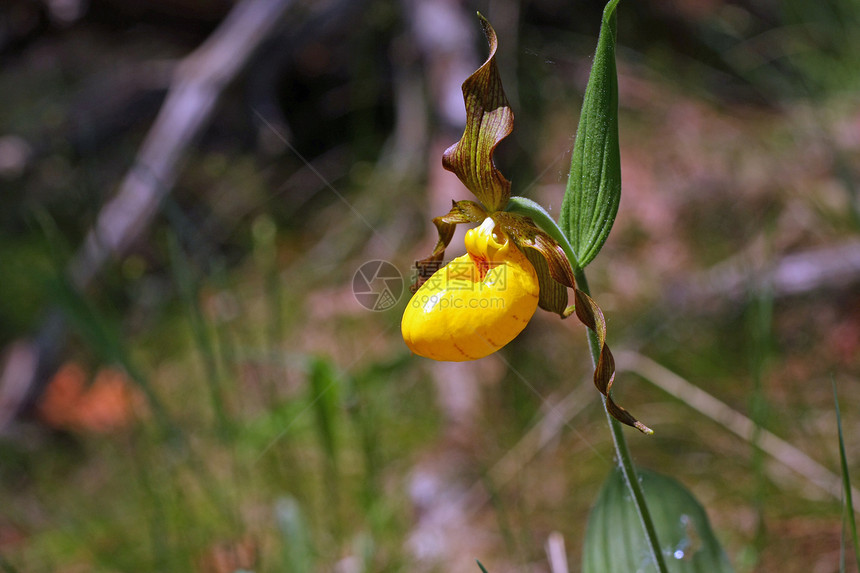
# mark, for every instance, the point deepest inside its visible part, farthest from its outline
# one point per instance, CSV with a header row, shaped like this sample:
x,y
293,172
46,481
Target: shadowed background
x,y
187,190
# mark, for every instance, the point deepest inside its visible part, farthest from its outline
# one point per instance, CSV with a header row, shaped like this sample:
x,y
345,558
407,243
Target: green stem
x,y
625,460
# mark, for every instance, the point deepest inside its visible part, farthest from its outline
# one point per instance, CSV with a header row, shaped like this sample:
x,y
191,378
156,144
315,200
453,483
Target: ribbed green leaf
x,y
594,187
615,541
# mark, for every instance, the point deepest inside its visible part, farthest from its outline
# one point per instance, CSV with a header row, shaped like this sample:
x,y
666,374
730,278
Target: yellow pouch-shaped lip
x,y
475,304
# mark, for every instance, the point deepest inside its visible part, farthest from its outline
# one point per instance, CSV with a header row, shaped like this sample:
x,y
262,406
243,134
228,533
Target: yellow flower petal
x,y
474,305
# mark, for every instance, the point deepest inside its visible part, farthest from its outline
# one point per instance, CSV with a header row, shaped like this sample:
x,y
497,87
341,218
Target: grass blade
x,y
846,480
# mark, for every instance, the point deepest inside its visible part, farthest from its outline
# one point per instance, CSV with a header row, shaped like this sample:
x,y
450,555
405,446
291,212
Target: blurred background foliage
x,y
218,400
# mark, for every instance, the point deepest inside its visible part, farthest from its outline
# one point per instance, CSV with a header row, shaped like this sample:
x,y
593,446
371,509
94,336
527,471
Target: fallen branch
x,y
740,425
198,82
823,268
560,415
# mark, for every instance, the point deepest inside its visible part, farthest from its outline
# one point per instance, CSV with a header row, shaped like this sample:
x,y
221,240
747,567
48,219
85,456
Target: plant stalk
x,y
625,460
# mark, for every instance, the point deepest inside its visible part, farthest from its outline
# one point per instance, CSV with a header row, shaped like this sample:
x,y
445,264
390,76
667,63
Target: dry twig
x,y
198,83
740,425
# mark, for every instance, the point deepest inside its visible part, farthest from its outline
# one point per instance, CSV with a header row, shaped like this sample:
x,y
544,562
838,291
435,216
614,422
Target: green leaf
x,y
615,541
489,119
594,186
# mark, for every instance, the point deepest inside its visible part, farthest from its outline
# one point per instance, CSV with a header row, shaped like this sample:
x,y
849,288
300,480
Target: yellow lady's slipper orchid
x,y
481,301
475,304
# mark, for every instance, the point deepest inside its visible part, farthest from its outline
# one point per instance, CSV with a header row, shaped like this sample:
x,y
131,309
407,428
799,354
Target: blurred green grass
x,y
301,421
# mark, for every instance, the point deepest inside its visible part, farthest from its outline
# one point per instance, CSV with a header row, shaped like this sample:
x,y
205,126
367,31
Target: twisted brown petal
x,y
489,120
553,295
591,316
525,233
552,260
461,212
